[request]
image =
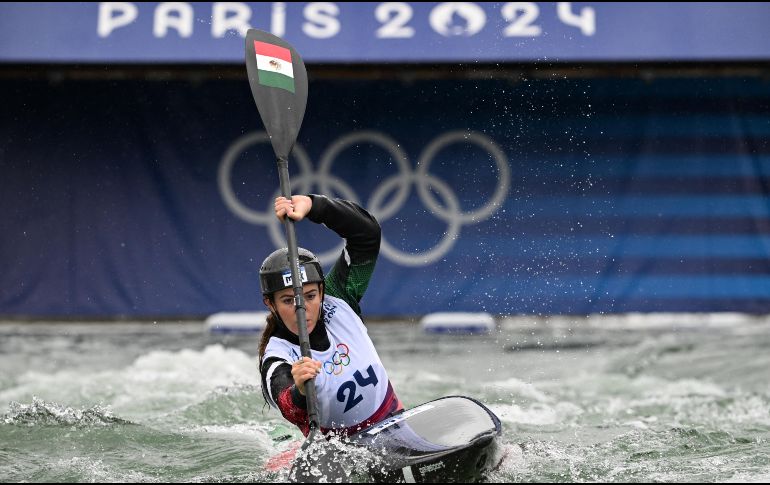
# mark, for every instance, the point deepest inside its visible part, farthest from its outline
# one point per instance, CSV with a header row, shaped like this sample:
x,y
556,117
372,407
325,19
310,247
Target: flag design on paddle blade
x,y
274,66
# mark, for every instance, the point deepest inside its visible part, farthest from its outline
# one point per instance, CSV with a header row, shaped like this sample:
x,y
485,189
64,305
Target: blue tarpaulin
x,y
141,198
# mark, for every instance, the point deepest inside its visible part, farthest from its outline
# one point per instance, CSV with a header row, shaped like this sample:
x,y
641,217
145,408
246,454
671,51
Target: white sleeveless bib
x,y
352,384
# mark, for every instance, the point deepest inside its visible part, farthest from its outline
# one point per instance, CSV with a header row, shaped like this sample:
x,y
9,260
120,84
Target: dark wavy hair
x,y
272,323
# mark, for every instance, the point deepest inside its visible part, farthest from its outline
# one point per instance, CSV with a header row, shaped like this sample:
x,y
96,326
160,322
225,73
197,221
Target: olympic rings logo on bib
x,y
340,360
380,205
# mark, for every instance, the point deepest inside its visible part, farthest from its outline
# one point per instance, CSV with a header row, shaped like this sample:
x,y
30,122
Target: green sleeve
x,y
350,276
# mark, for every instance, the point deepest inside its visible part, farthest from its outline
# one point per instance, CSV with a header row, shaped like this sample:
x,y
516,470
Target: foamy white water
x,y
643,398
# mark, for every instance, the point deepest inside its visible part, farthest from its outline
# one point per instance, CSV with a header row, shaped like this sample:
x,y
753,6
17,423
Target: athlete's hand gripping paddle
x,y
278,82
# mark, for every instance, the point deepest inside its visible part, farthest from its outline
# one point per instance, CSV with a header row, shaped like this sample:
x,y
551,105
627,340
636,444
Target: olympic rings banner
x,y
153,198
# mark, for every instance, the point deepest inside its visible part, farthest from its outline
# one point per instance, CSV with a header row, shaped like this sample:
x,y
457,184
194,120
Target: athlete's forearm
x,y
349,277
359,228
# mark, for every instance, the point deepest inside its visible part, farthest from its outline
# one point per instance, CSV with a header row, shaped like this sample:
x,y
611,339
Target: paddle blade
x,y
278,82
319,461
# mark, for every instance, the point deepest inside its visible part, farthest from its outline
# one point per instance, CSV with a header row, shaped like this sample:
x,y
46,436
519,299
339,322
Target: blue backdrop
x,y
545,196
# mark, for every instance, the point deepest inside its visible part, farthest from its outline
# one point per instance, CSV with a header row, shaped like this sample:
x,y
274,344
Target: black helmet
x,y
275,273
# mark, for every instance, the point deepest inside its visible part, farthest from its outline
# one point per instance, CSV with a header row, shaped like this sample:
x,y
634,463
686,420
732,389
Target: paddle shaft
x,y
299,298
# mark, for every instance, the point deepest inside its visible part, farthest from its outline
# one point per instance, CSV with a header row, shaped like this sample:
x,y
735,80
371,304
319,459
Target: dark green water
x,y
614,399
